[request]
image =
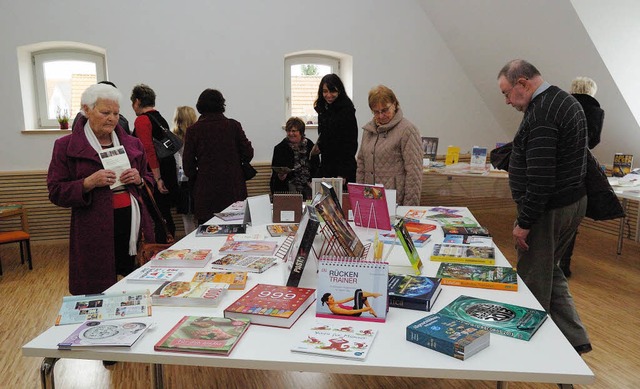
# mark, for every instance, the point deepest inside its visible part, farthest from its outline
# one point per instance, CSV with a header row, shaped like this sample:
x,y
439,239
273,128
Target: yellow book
x,y
236,280
462,253
453,155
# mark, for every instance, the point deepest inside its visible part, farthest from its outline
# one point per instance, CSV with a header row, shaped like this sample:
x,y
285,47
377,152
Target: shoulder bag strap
x,y
170,238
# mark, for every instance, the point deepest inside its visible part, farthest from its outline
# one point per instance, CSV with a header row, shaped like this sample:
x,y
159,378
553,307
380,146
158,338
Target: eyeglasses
x,y
507,93
292,130
383,111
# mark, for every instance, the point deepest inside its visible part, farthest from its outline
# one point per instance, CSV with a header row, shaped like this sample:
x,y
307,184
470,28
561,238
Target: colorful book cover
x,y
460,253
497,317
462,221
181,258
349,288
272,305
444,210
220,229
478,276
622,164
430,148
478,161
453,155
278,230
369,205
104,306
448,336
154,274
333,340
187,294
236,280
203,334
302,245
248,247
419,228
114,333
248,263
334,218
413,292
474,240
408,246
419,240
415,214
463,230
231,215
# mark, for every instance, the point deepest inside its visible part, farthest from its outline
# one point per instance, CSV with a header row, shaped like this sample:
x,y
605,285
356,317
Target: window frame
x,y
38,58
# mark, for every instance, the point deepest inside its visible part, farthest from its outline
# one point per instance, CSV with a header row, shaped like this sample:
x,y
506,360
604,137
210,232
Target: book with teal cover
x,y
413,292
500,318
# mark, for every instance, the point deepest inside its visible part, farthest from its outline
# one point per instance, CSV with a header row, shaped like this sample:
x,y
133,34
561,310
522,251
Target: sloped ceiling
x,y
484,35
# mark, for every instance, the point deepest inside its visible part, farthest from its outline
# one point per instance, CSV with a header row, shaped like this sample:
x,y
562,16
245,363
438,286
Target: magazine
x,y
107,306
114,333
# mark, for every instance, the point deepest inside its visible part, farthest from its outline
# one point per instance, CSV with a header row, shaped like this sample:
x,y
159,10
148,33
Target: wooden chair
x,y
22,236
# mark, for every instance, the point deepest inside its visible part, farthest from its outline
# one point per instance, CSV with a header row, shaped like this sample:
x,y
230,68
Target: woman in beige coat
x,y
391,150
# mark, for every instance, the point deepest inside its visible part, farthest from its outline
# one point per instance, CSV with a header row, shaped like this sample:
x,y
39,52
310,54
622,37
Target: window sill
x,y
49,131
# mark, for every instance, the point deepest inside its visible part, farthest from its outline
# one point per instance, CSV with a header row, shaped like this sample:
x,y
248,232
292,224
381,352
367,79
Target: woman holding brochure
x,y
107,212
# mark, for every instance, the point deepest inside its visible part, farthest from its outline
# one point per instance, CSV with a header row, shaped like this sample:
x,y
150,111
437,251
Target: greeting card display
x,y
369,205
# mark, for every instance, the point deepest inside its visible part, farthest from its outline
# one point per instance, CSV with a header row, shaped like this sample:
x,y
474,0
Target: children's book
x,y
114,333
181,258
461,253
408,246
453,155
474,240
449,336
478,161
248,247
622,164
369,205
278,230
154,274
272,305
478,276
500,318
220,229
236,280
104,306
350,288
430,148
248,263
302,246
203,334
189,294
460,230
335,340
419,240
413,292
332,215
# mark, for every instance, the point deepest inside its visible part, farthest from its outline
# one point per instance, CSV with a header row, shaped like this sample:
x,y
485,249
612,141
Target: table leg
x,y
47,380
158,378
622,223
502,385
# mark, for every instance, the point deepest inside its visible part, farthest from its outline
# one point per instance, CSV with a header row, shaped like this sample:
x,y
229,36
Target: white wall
x,y
181,48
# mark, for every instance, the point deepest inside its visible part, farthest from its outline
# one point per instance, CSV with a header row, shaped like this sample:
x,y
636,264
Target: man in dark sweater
x,y
546,176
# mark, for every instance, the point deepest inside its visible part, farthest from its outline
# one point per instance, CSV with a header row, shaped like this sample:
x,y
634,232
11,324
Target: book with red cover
x,y
369,205
272,305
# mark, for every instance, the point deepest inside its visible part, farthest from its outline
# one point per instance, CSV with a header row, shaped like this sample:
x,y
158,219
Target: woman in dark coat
x,y
214,148
294,153
337,128
102,242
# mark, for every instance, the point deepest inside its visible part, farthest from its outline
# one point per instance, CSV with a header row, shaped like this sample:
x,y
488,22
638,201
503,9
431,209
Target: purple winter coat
x,y
92,266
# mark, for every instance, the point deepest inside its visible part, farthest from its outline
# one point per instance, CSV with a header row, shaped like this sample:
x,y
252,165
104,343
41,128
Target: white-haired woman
x,y
105,220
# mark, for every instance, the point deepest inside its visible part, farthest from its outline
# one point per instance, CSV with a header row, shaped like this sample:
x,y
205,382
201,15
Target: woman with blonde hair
x,y
184,117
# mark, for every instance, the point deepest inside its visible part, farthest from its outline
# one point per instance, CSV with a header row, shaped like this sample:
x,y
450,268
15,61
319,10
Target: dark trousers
x,y
125,263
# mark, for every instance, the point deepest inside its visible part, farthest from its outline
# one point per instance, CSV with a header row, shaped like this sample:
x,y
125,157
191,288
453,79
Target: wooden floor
x,y
605,287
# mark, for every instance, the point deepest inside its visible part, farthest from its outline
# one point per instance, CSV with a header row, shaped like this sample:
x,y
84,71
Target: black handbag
x,y
168,145
248,171
602,202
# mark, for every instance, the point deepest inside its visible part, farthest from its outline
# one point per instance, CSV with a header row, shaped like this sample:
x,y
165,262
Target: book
x,y
181,258
153,274
334,340
189,294
461,221
114,333
248,263
278,230
461,230
369,205
203,334
419,240
622,164
497,317
478,276
334,183
104,306
272,305
468,239
418,228
302,246
461,253
115,159
236,280
415,214
448,336
339,226
287,207
430,147
408,246
220,229
350,288
413,292
453,155
230,216
248,247
478,161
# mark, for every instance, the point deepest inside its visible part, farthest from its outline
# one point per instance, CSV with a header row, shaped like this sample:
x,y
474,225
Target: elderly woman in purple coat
x,y
107,212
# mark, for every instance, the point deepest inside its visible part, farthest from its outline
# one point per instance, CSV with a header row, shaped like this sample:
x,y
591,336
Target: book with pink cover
x,y
369,205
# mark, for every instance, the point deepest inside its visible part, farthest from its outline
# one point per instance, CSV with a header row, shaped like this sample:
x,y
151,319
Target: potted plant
x,y
63,118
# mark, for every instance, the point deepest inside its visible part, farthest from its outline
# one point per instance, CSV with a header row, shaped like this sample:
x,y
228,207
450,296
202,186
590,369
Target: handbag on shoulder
x,y
169,144
602,202
147,250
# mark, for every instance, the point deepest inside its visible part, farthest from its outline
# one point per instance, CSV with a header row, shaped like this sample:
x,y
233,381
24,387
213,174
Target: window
x,y
61,76
302,78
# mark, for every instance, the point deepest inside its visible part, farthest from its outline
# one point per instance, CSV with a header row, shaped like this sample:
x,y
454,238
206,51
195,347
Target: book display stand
x,y
357,217
331,247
